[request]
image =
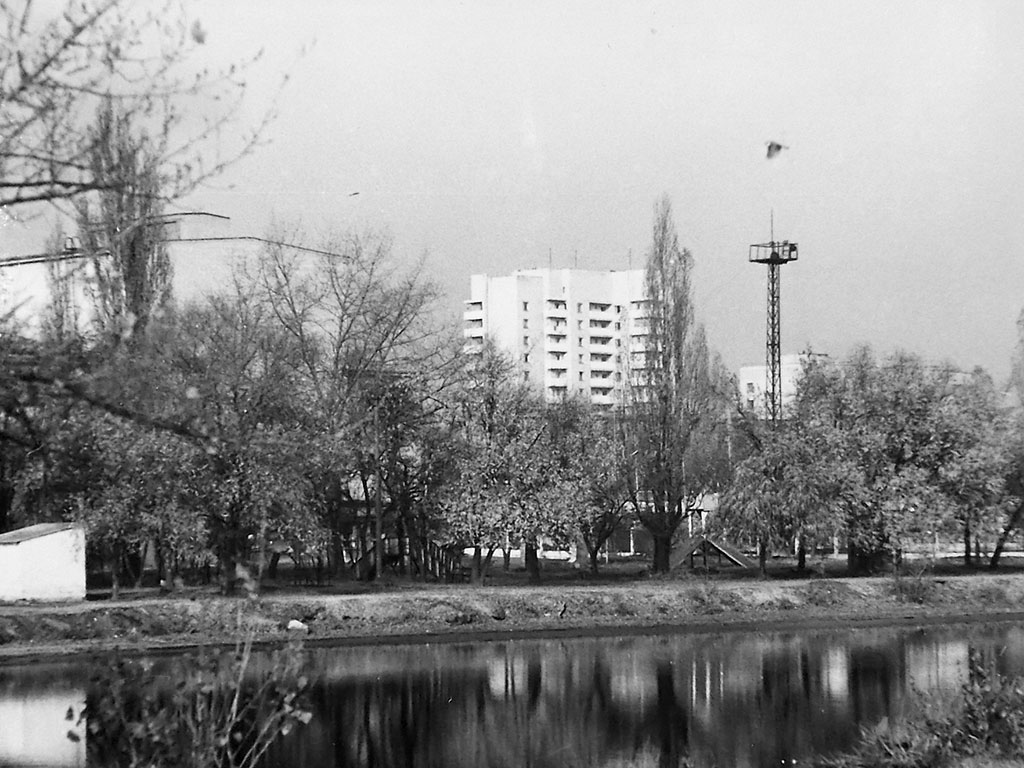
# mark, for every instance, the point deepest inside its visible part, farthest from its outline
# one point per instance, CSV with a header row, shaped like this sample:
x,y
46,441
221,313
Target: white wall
x,y
47,568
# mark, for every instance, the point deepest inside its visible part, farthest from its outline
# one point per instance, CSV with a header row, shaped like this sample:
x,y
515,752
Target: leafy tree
x,y
237,370
587,488
790,490
674,400
500,426
888,453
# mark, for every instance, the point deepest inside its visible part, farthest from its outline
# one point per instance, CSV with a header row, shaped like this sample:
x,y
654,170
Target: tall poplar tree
x,y
674,409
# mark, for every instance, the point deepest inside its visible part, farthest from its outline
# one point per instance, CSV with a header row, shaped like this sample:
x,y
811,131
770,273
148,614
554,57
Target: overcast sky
x,y
493,136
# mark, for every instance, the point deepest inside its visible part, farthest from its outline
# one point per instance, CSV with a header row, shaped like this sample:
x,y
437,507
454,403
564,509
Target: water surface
x,y
732,699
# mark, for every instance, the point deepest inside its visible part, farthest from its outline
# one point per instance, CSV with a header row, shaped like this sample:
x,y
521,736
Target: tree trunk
x,y
115,573
143,551
762,557
532,562
662,552
593,554
967,541
1004,536
801,555
476,572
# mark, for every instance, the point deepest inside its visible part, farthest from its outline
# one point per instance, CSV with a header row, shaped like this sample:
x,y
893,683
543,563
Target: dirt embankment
x,y
418,613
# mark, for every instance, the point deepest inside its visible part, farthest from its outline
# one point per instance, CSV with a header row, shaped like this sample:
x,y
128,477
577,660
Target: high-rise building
x,y
571,332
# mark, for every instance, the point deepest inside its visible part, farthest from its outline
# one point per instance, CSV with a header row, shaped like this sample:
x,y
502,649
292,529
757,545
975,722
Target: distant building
x,y
753,383
571,332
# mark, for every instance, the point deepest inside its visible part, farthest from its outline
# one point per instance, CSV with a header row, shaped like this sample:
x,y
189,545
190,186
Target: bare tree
x,y
59,61
367,340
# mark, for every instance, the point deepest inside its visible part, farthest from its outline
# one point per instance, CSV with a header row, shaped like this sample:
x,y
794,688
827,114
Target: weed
x,y
711,598
911,586
221,713
991,594
825,593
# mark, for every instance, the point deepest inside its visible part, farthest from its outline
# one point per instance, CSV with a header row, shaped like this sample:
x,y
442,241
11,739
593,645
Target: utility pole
x,y
378,507
774,254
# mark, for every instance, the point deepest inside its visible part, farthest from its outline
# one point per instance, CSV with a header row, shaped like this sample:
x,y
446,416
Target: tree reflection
x,y
725,700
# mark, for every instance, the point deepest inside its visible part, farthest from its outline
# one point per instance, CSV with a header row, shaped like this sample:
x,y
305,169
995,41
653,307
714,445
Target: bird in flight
x,y
774,148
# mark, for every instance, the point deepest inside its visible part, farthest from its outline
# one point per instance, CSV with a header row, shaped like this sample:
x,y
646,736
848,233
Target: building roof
x,y
33,532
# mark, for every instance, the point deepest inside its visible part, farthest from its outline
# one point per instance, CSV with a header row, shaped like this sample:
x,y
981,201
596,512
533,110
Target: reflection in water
x,y
37,711
726,700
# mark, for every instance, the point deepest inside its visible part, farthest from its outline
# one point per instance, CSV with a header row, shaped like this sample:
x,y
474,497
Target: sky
x,y
491,136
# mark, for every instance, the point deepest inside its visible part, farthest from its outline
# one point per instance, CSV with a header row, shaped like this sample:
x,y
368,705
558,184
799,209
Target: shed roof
x,y
33,532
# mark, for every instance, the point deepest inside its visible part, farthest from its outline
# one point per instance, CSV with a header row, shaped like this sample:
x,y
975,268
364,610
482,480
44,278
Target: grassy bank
x,y
356,612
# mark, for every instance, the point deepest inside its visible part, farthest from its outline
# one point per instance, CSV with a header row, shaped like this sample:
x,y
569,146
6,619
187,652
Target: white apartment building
x,y
571,332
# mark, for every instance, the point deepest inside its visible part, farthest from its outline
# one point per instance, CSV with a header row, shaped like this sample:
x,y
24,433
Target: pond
x,y
731,699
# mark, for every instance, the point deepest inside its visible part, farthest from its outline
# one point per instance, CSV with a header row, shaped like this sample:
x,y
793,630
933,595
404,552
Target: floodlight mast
x,y
774,254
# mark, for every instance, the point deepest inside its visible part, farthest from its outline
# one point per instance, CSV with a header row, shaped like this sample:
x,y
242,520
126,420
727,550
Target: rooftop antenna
x,y
774,254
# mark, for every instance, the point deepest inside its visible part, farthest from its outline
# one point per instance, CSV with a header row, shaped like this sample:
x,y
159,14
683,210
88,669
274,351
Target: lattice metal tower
x,y
774,254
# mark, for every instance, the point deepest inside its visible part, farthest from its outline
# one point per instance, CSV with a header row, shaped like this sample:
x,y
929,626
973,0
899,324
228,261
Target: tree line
x,y
317,403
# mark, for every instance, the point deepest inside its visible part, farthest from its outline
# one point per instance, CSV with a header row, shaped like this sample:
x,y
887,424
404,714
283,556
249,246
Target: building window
x,y
618,308
526,357
526,305
750,387
581,375
618,326
526,341
526,323
579,307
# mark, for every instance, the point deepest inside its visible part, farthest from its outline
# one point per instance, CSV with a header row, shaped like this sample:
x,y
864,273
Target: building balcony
x,y
557,378
555,308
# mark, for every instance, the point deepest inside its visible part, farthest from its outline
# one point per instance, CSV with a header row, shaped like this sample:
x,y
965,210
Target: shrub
x,y
911,586
988,722
218,713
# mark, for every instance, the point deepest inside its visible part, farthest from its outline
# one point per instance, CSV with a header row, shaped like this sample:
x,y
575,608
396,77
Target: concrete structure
x,y
569,331
43,562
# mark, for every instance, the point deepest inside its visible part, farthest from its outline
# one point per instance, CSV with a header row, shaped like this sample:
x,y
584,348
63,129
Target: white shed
x,y
43,562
